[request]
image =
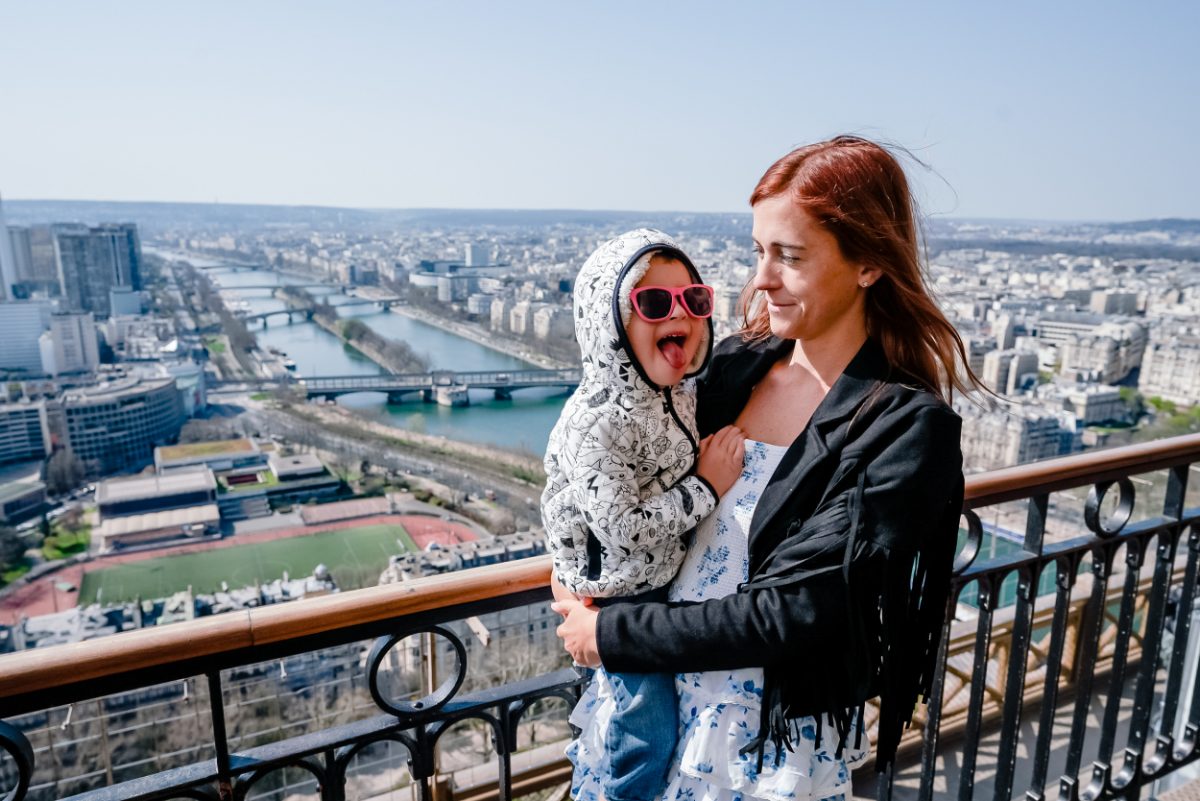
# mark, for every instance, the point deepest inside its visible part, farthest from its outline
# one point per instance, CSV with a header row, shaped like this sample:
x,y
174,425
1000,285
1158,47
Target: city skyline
x,y
1024,113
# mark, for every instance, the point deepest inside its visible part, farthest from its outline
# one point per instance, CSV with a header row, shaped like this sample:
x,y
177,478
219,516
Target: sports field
x,y
355,556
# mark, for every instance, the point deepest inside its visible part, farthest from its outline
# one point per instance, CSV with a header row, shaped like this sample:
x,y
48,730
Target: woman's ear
x,y
868,275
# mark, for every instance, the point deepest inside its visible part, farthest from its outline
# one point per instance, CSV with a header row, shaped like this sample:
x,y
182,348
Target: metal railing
x,y
1006,675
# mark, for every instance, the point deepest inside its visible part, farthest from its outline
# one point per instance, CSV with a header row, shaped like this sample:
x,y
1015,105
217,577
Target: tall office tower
x,y
43,261
91,261
21,324
70,344
475,255
8,260
18,237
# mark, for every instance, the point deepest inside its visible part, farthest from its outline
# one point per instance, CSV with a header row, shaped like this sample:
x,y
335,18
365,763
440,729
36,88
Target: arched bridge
x,y
446,387
314,285
307,313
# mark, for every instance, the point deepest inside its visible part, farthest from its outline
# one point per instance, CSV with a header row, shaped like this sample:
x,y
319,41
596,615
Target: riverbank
x,y
363,346
482,336
526,470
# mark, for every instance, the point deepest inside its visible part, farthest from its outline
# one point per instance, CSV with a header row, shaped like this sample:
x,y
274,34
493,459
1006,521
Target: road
x,y
457,473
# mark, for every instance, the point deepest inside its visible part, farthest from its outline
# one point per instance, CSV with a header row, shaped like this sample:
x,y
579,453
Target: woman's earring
x,y
865,284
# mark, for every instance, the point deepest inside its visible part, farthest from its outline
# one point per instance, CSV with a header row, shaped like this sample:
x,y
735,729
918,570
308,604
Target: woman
x,y
841,532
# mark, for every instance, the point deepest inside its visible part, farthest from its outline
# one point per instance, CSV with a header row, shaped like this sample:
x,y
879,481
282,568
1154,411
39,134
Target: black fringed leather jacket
x,y
850,554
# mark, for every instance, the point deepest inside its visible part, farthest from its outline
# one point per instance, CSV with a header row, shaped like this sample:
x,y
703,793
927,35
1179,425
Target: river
x,y
522,423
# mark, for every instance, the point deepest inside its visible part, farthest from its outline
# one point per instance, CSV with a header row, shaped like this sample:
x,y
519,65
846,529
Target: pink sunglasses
x,y
657,303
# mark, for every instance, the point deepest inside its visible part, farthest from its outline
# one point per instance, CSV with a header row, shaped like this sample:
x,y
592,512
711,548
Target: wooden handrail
x,y
1011,483
46,668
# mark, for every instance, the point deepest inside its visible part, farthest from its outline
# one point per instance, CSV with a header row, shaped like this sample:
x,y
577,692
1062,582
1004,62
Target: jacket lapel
x,y
813,447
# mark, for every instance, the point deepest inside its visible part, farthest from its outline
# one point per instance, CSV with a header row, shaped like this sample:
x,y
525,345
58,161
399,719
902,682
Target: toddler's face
x,y
666,349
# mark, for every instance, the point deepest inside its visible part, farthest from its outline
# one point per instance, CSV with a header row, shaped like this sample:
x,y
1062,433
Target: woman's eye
x,y
789,260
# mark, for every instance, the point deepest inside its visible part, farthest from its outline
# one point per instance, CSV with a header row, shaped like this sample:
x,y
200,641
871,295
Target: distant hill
x,y
1181,237
1172,225
153,215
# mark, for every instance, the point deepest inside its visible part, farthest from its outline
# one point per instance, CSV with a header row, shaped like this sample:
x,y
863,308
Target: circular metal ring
x,y
970,550
13,741
436,699
1119,517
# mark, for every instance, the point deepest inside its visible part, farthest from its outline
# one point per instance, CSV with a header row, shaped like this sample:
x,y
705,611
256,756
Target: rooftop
x,y
156,521
17,489
300,464
196,450
131,489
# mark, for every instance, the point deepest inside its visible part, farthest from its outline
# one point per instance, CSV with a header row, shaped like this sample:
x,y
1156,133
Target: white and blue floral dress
x,y
719,710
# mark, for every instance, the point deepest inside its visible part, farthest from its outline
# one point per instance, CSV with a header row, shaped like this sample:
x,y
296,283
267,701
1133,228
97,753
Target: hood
x,y
602,306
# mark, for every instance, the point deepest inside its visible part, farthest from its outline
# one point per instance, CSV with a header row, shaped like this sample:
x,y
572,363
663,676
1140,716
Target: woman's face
x,y
811,289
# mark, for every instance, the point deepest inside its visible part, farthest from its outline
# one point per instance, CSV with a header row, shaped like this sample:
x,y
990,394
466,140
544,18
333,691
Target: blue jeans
x,y
641,735
644,727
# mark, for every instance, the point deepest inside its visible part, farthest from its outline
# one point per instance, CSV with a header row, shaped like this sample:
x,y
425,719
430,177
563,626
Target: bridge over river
x,y
446,387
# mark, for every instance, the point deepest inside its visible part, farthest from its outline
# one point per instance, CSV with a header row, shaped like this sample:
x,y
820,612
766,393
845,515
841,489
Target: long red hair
x,y
858,192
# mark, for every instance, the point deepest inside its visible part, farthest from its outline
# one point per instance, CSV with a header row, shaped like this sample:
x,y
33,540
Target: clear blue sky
x,y
1081,110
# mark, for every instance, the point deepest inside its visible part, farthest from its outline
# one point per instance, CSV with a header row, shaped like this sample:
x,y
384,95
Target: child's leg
x,y
641,735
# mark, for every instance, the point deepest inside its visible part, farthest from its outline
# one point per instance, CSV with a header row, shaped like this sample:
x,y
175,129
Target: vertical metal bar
x,y
1183,624
1014,691
1065,570
1131,772
333,788
1176,492
983,637
1102,767
420,764
216,705
1085,656
885,783
933,717
506,742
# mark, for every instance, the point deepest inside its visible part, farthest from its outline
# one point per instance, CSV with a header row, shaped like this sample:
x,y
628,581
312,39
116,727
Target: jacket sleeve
x,y
604,479
908,486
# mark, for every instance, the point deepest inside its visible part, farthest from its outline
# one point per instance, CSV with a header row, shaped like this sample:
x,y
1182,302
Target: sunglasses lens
x,y
654,304
699,300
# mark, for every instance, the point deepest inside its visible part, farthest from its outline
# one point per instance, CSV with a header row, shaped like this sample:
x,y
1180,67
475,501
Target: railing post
x,y
1087,649
216,703
983,635
1018,648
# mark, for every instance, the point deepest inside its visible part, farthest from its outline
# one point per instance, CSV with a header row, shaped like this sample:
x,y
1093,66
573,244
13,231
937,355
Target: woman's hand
x,y
578,630
721,457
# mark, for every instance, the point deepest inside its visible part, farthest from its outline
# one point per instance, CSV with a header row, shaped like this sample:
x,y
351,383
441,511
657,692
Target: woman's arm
x,y
909,486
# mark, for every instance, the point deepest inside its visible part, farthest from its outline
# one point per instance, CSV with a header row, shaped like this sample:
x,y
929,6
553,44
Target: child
x,y
620,490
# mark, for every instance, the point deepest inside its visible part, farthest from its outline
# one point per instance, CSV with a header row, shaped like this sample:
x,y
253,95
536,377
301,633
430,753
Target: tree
x,y
64,472
12,547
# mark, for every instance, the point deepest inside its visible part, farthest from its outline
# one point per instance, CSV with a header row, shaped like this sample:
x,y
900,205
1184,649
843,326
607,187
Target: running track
x,y
41,597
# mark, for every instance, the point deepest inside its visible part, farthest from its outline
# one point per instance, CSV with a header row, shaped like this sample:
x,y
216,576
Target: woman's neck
x,y
826,358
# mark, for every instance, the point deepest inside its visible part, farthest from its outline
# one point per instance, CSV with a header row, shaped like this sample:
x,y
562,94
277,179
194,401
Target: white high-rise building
x,y
475,255
21,324
8,259
70,344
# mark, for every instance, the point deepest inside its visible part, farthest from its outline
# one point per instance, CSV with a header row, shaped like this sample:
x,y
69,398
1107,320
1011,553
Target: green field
x,y
355,556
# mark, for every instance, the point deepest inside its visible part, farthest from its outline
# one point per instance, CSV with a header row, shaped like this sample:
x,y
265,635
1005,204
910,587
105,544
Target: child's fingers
x,y
739,451
728,436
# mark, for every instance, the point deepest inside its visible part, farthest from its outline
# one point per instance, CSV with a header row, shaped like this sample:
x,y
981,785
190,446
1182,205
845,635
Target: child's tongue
x,y
672,351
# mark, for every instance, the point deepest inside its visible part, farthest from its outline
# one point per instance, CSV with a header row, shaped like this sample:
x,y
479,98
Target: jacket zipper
x,y
675,416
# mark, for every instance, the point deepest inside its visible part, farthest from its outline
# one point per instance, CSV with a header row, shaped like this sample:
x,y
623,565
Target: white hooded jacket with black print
x,y
620,493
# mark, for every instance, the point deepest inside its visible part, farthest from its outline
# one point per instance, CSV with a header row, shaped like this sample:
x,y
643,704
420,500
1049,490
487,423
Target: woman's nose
x,y
765,277
677,309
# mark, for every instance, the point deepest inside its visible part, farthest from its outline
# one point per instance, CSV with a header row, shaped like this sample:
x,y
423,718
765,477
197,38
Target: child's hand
x,y
721,458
